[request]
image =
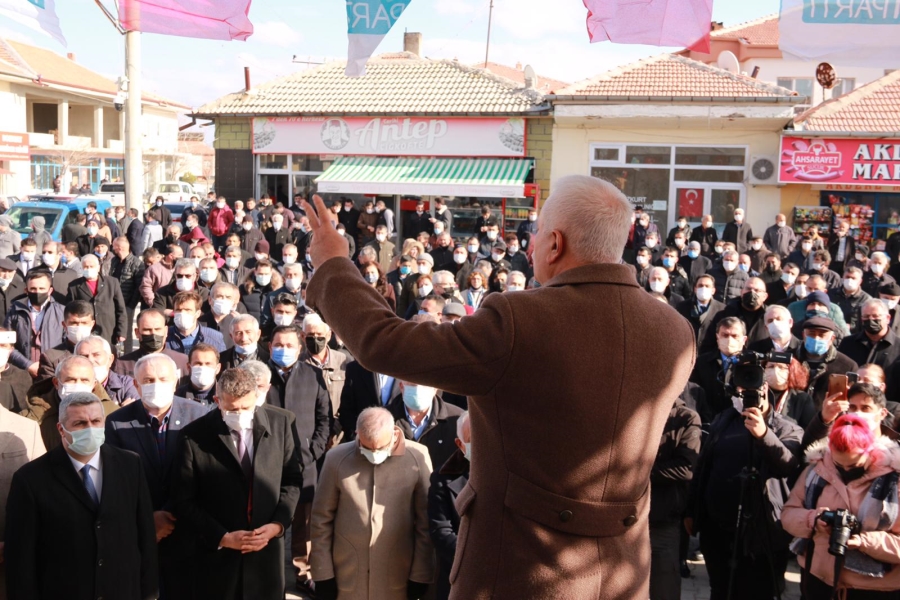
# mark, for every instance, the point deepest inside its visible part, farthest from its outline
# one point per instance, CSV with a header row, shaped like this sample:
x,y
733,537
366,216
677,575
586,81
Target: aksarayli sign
x,y
845,161
844,32
389,136
368,21
14,146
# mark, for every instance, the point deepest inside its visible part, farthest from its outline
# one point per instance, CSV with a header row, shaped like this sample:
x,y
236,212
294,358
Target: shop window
x,y
648,155
646,188
710,176
307,163
712,157
607,154
801,85
273,161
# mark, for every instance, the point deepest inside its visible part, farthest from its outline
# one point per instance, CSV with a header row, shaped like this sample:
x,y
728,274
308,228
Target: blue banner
x,y
368,21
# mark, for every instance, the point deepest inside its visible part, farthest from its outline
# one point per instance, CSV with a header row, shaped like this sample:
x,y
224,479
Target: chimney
x,y
412,43
716,26
518,66
246,79
71,56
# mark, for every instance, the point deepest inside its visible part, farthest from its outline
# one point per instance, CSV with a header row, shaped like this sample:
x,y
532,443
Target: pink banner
x,y
207,19
846,161
655,22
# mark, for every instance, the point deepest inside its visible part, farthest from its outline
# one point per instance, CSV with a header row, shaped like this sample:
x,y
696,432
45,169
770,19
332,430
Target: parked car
x,y
114,192
58,211
172,191
176,208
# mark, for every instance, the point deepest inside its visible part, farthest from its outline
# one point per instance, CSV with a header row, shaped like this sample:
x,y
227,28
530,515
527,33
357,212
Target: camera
x,y
119,101
843,525
749,375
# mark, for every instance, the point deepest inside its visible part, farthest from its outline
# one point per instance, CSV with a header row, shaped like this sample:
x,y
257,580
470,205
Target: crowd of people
x,y
173,409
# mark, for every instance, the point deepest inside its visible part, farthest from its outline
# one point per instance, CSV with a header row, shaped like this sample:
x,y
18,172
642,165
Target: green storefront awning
x,y
488,178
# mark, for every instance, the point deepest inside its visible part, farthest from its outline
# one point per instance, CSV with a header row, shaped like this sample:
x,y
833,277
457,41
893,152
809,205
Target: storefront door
x,y
707,199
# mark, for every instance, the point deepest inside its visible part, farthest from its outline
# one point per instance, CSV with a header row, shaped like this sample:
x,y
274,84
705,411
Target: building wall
x,y
111,126
81,121
233,134
773,68
160,130
571,156
13,120
540,148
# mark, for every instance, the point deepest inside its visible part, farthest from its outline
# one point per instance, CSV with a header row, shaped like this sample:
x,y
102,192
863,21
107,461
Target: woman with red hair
x,y
787,387
855,471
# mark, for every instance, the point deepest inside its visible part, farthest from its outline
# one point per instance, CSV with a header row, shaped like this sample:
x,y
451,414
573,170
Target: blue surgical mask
x,y
86,441
816,346
744,267
245,350
810,314
284,357
693,254
668,262
418,397
404,270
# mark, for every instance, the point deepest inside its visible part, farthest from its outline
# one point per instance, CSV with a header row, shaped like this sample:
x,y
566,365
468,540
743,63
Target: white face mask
x,y
48,259
497,257
91,274
704,294
851,285
778,330
729,346
376,457
73,388
283,319
276,226
788,278
424,290
424,269
185,321
657,286
289,260
232,262
261,398
891,304
801,291
777,378
643,261
729,265
158,395
222,306
380,237
76,333
877,268
293,283
806,246
203,377
220,204
246,350
247,226
101,373
184,285
472,248
459,258
492,235
261,256
756,245
238,420
209,275
264,280
873,419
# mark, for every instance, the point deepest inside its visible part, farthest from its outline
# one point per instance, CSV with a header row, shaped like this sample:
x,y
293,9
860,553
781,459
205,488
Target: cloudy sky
x,y
548,34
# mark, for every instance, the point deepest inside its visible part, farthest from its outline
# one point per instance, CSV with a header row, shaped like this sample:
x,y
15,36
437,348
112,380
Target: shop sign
x,y
845,161
14,146
399,136
844,187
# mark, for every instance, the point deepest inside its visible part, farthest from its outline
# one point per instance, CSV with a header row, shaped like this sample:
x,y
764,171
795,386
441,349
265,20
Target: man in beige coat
x,y
569,388
20,443
370,538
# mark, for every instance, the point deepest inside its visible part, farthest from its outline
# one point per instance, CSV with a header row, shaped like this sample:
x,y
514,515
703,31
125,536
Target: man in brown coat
x,y
568,395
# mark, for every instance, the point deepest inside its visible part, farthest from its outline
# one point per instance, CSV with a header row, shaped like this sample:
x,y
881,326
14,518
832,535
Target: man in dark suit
x,y
12,285
423,416
712,368
151,429
105,296
236,488
701,308
694,263
78,320
738,232
152,332
363,389
59,274
91,494
74,230
245,333
135,232
841,247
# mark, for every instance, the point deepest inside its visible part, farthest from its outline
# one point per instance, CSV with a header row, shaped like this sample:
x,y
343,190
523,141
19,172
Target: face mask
x,y
92,231
247,226
74,388
101,373
514,288
738,218
38,298
751,300
682,224
438,230
289,260
642,261
781,223
877,268
496,257
668,262
657,286
261,398
891,304
692,254
185,321
203,377
76,333
719,249
232,262
63,259
532,218
729,265
801,291
418,397
778,330
275,226
472,248
86,441
380,237
284,357
806,247
159,203
873,326
47,259
729,346
788,278
208,275
744,268
371,277
644,223
342,231
851,285
492,235
859,257
293,283
679,243
424,269
756,246
816,347
817,266
777,378
704,294
4,283
511,250
28,256
315,344
184,285
873,419
238,420
377,457
281,320
245,350
424,290
220,204
369,211
221,307
650,244
151,343
264,280
100,255
91,274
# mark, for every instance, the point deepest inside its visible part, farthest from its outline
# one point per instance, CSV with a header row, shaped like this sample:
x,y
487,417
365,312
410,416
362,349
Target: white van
x,y
172,191
114,192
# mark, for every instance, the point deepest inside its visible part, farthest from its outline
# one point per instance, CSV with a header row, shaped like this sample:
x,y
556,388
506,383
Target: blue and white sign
x,y
368,21
37,14
860,33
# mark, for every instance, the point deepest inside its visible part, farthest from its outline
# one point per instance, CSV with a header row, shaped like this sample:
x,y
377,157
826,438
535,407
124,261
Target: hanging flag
x,y
683,23
207,19
856,33
37,14
368,21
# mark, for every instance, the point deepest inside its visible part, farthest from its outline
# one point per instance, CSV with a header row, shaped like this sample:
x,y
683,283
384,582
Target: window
x,y
801,85
844,86
648,155
714,157
273,161
606,154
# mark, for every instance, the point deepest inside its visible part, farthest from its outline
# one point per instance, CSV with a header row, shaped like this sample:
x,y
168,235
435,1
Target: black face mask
x,y
751,300
151,343
848,475
315,345
38,298
771,268
873,326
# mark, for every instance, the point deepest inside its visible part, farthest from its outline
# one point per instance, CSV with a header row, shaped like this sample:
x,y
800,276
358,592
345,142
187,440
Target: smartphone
x,y
852,379
838,384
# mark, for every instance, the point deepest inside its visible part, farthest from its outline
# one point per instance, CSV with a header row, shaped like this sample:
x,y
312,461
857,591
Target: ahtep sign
x,y
14,146
389,136
846,161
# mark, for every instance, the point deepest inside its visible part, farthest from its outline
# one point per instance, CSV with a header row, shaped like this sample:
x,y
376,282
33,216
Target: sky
x,y
550,35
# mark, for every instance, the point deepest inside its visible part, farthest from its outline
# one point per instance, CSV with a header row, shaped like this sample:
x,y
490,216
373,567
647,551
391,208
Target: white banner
x,y
368,21
859,33
37,14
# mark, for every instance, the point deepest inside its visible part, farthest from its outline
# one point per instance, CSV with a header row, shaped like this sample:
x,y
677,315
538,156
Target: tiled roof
x,y
871,108
545,85
52,68
394,84
761,32
11,63
672,76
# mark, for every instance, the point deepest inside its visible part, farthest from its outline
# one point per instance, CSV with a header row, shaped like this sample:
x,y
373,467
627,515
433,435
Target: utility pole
x,y
487,49
134,158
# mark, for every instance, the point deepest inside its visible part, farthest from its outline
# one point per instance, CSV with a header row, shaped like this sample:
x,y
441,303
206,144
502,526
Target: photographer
x,y
860,467
749,452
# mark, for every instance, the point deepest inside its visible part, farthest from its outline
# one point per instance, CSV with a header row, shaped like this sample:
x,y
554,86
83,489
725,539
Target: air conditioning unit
x,y
764,170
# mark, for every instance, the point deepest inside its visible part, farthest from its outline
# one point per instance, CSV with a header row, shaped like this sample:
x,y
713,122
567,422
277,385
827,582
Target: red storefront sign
x,y
847,161
14,146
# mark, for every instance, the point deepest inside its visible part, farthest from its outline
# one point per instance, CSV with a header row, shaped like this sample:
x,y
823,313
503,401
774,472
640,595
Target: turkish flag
x,y
690,203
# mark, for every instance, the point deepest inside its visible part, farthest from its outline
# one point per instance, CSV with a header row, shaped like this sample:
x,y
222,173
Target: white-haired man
x,y
332,365
370,515
93,495
245,333
779,324
263,376
595,300
119,388
877,273
221,309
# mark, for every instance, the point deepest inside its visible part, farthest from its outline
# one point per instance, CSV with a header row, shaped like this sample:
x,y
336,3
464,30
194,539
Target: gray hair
x,y
853,271
659,271
152,359
517,275
369,251
233,249
93,339
874,302
731,253
184,263
461,423
242,318
312,320
373,421
223,285
258,369
593,215
444,276
76,399
777,308
694,245
64,363
881,256
293,267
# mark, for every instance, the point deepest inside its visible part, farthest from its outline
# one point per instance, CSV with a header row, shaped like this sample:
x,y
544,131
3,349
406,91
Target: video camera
x,y
749,374
843,525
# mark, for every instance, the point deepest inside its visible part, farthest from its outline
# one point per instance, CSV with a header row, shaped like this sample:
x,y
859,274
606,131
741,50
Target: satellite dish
x,y
530,77
826,75
729,62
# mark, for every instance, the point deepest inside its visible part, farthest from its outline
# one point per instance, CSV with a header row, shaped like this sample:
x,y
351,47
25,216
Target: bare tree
x,y
70,158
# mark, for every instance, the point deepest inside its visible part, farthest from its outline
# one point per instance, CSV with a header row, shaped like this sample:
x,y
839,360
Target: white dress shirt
x,y
96,472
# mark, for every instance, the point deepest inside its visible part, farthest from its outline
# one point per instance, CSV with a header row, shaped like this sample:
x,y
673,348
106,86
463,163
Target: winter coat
x,y
129,272
707,239
780,240
440,433
670,478
739,235
220,220
108,304
18,319
728,285
443,518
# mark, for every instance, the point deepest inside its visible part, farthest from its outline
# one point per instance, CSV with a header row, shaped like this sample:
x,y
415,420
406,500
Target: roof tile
x,y
871,108
761,32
